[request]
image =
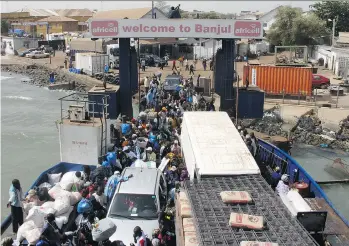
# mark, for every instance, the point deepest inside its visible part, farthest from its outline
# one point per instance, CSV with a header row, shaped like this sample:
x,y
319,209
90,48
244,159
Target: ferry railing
x,y
61,167
267,150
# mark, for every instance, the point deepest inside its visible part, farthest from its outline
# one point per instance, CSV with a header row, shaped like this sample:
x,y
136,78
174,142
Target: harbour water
x,y
318,162
29,137
30,142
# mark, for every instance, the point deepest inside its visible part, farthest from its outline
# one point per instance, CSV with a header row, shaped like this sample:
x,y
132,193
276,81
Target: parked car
x,y
172,82
159,61
137,202
25,52
320,82
152,60
37,54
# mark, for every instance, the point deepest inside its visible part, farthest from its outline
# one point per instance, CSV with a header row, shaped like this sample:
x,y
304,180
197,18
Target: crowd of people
x,y
151,137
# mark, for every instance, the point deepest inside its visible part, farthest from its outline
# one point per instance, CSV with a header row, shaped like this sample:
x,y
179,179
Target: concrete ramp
x,y
62,86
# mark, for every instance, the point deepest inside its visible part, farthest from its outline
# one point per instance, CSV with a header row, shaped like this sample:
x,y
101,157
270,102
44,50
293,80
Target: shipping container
x,y
97,93
91,63
274,80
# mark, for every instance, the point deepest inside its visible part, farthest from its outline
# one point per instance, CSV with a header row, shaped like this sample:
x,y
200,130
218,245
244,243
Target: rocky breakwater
x,y
39,76
308,130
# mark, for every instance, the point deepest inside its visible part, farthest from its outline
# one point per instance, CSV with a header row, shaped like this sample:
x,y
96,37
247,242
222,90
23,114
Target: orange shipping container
x,y
279,80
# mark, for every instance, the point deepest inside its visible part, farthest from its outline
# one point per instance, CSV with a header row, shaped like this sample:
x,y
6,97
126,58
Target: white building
x,y
12,44
207,48
269,18
336,59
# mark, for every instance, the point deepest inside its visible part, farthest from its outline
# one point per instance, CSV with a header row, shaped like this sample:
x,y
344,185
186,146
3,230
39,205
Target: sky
x,y
218,6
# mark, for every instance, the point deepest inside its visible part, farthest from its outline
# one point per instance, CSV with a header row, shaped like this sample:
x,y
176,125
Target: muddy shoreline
x,y
39,76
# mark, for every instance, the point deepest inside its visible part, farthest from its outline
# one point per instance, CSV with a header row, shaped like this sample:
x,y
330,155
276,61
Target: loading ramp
x,y
211,215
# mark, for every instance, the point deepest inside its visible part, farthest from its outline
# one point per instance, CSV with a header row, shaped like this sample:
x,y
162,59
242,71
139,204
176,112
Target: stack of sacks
x,y
53,179
190,237
246,221
70,182
34,222
251,243
188,225
185,213
61,208
184,206
235,197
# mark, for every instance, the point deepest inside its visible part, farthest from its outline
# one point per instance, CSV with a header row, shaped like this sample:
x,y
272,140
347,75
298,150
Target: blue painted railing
x,y
270,153
61,167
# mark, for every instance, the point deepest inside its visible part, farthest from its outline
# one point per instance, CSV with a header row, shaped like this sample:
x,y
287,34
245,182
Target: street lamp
x,y
333,29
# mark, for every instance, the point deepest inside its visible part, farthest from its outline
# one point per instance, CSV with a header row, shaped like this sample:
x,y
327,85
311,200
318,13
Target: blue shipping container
x,y
96,94
251,104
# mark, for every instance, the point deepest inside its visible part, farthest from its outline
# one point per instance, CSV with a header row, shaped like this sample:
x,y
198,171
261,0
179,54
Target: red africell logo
x,y
104,28
247,29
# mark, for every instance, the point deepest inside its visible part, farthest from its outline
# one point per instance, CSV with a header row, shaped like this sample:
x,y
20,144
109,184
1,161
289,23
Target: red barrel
x,y
303,188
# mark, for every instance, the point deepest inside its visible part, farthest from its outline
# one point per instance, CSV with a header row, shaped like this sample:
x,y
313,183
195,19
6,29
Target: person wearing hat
x,y
275,177
131,156
283,186
149,155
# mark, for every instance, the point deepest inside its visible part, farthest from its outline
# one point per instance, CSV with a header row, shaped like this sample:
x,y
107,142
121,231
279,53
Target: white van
x,y
136,202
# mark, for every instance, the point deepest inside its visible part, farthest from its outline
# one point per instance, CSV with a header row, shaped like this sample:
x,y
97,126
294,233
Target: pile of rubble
x,y
308,130
39,75
270,124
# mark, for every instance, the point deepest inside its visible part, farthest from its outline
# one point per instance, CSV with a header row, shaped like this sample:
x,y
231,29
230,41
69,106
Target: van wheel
x,y
324,86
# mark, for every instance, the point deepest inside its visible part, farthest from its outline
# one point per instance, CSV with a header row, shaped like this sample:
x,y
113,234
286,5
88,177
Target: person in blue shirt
x,y
112,183
15,202
106,68
275,178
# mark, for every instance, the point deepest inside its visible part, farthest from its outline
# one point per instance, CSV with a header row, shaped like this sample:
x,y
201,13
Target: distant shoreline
x,y
39,73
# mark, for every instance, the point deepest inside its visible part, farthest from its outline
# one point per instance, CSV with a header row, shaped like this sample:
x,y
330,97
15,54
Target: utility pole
x,y
152,9
333,30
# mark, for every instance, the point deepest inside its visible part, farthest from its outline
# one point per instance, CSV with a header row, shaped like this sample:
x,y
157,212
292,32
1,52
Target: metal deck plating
x,y
212,215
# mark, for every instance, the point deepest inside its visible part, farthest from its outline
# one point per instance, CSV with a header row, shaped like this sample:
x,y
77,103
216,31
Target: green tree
x,y
338,10
291,27
4,26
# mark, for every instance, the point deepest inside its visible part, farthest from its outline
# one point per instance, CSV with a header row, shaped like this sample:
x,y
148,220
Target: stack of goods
x,y
185,214
65,197
246,221
235,197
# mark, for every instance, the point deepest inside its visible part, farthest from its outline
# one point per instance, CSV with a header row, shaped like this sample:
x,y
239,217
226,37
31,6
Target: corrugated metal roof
x,y
122,13
57,19
38,12
74,12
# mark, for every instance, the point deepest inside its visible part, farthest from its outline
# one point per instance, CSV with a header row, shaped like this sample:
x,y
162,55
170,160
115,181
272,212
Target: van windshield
x,y
172,81
134,206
